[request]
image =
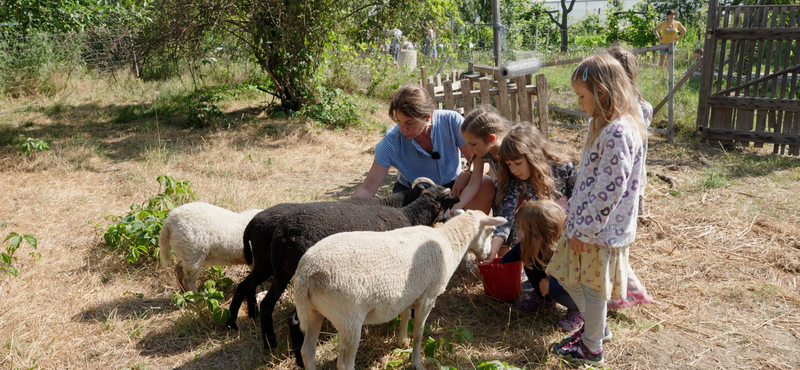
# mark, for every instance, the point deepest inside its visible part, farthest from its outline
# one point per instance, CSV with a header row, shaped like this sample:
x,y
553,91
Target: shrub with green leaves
x,y
15,241
206,304
31,145
136,234
334,109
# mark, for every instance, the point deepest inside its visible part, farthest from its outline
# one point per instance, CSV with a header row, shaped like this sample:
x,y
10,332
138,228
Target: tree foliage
x,y
634,26
286,38
62,16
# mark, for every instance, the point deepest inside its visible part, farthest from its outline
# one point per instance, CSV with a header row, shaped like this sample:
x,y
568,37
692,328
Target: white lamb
x,y
202,234
360,278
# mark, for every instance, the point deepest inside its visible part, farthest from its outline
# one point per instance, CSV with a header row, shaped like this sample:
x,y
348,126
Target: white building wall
x,y
586,6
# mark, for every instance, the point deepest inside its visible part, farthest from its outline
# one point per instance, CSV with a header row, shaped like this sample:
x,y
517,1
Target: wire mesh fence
x,y
30,63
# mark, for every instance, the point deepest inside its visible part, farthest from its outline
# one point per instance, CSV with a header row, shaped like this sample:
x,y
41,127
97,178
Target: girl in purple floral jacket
x,y
591,260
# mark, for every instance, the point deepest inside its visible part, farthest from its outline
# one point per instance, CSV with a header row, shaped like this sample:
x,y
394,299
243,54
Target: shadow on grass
x,y
347,190
122,132
131,306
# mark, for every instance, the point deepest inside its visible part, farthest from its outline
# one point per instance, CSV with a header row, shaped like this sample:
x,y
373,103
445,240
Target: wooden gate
x,y
750,75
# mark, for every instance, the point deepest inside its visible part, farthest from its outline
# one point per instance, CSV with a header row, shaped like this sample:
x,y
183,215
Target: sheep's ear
x,y
493,221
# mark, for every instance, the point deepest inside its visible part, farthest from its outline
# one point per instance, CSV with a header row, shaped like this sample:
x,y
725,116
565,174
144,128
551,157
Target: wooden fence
x,y
514,98
668,100
749,91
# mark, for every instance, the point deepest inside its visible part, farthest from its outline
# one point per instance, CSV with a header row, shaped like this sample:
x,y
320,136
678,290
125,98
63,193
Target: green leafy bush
x,y
136,234
31,145
7,257
334,109
206,304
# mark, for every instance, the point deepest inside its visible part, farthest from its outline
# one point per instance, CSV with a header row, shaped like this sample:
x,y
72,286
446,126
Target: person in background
x,y
668,31
425,142
430,43
396,43
696,55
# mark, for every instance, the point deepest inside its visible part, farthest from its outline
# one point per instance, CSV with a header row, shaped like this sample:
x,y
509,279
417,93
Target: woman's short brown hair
x,y
413,101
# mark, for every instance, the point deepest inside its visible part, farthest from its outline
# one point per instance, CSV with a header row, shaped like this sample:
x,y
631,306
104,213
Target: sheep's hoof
x,y
403,342
232,325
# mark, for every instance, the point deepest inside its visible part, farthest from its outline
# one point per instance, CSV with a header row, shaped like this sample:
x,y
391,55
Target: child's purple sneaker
x,y
578,353
572,321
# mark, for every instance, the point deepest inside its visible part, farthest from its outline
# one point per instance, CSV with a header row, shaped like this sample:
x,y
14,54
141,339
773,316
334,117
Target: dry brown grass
x,y
722,262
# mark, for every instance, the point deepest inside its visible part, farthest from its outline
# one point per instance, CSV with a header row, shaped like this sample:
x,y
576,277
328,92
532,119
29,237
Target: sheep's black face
x,y
444,199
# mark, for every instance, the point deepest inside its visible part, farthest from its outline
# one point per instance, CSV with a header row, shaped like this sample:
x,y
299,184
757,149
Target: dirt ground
x,y
718,248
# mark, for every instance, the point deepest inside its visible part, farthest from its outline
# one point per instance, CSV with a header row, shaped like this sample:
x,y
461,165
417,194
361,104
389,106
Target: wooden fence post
x,y
525,112
466,95
449,103
708,67
431,92
486,85
424,77
542,100
502,97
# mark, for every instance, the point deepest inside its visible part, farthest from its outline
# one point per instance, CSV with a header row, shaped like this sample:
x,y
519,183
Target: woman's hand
x,y
577,245
544,286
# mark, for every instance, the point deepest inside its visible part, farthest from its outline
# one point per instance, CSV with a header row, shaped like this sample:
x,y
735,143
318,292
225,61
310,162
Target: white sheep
x,y
361,278
202,234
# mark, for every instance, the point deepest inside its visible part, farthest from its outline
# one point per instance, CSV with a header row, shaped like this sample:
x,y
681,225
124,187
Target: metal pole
x,y
496,29
671,54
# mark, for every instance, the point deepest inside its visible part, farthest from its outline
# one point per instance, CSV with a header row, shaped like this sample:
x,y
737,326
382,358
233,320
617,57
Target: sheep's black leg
x,y
276,289
252,304
246,288
296,338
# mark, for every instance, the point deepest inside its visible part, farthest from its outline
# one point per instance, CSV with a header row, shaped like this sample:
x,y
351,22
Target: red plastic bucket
x,y
501,281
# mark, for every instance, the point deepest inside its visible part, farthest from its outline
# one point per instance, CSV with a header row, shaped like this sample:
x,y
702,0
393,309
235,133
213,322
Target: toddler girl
x,y
541,224
591,259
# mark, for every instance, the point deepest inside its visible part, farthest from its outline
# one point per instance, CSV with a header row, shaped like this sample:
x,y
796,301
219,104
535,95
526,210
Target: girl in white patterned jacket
x,y
591,259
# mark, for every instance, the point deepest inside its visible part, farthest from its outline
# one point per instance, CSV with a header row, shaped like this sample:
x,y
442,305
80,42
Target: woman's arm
x,y
683,31
369,187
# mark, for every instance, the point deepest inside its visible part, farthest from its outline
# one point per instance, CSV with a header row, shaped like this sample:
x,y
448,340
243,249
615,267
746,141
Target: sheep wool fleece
x,y
359,278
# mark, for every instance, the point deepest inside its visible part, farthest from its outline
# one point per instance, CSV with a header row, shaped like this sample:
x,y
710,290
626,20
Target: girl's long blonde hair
x,y
614,94
485,121
541,224
525,141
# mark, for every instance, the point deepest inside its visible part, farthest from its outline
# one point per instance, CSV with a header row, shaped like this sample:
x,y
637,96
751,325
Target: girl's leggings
x,y
592,304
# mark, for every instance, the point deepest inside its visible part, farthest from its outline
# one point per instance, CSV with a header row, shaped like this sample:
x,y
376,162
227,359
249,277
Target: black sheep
x,y
257,239
306,224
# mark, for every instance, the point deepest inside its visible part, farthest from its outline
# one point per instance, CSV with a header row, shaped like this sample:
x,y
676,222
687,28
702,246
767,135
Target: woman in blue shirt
x,y
425,143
